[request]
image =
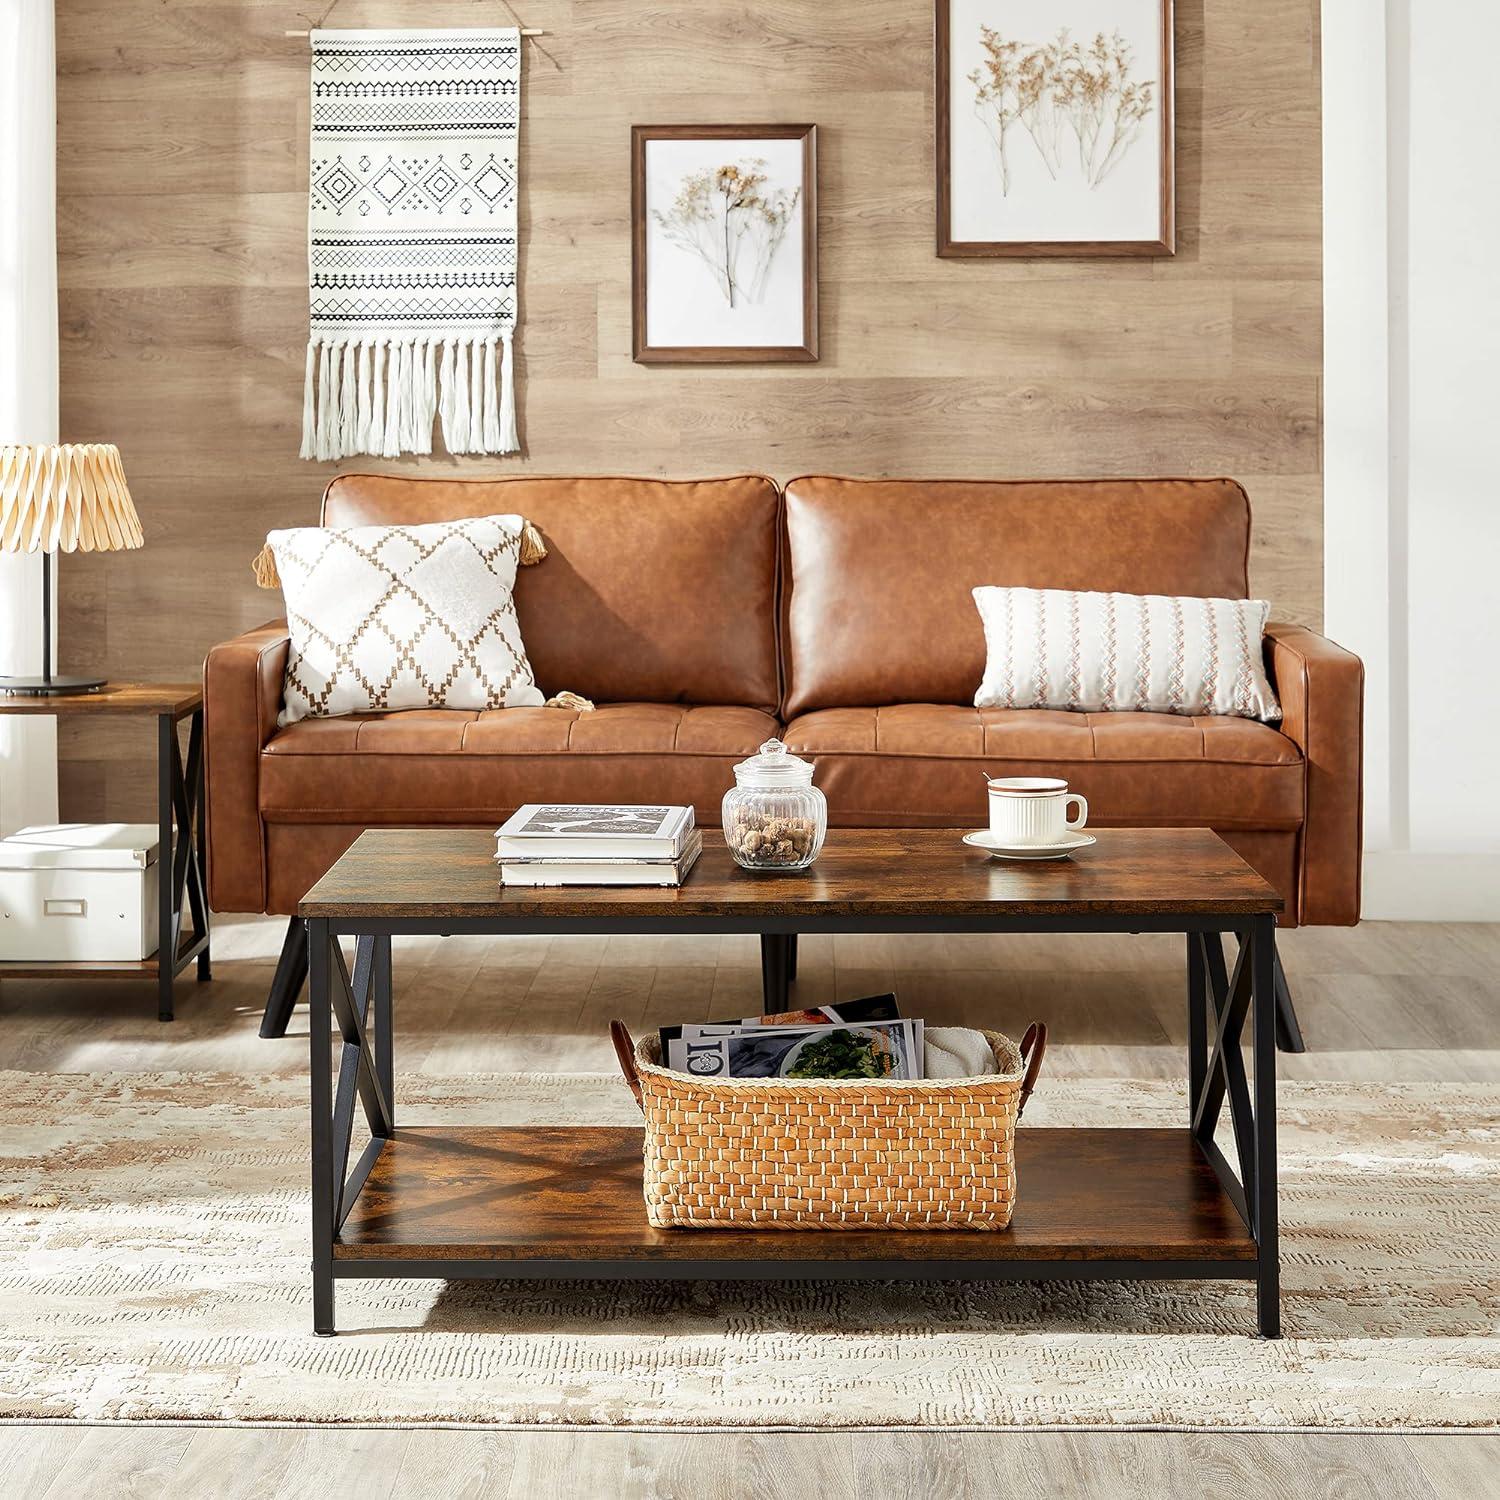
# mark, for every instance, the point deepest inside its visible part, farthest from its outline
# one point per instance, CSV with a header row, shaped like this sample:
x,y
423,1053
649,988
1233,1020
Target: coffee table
x,y
565,1202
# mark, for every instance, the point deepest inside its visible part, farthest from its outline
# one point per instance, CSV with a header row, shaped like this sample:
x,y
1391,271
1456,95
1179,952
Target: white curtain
x,y
28,372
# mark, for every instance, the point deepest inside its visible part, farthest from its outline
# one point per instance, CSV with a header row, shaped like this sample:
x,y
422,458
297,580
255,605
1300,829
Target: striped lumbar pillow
x,y
1053,648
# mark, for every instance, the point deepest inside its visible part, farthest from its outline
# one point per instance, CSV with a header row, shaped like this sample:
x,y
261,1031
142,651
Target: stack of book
x,y
584,843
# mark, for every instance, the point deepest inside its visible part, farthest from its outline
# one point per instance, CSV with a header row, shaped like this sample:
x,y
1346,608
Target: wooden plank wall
x,y
182,149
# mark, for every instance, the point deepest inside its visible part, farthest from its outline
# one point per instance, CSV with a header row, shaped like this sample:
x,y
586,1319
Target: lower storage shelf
x,y
565,1201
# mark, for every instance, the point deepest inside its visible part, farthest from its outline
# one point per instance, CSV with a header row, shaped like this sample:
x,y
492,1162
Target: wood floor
x,y
1385,1001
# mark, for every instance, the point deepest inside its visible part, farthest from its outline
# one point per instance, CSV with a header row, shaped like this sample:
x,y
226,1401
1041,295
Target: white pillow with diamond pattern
x,y
390,617
1053,648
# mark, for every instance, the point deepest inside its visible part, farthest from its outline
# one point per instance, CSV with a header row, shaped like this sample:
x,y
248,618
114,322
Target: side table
x,y
179,805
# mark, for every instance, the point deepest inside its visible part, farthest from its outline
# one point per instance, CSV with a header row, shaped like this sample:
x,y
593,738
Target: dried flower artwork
x,y
733,220
1078,105
724,243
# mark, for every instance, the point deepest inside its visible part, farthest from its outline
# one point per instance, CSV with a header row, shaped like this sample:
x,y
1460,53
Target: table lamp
x,y
66,497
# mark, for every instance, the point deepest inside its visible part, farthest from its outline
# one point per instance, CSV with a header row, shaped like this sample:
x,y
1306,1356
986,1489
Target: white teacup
x,y
1029,810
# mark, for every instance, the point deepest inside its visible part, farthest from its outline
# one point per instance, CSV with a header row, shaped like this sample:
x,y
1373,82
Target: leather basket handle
x,y
625,1051
1033,1048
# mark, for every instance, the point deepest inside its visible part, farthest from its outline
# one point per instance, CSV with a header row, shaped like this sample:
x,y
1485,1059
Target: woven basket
x,y
743,1153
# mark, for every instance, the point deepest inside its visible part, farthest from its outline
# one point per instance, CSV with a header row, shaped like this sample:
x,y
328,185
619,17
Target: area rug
x,y
154,1266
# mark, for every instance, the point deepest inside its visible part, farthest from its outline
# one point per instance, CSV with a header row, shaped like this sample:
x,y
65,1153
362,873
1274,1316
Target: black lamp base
x,y
48,687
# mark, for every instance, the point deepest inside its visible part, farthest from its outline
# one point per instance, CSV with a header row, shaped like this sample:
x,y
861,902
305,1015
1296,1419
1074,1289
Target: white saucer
x,y
992,846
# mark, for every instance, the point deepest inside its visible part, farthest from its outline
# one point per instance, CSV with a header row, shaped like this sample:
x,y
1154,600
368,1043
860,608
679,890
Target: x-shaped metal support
x,y
181,836
359,1077
1222,1074
359,1004
1216,1068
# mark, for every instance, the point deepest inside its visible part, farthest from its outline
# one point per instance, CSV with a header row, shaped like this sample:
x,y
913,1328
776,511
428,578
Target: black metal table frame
x,y
181,888
1220,999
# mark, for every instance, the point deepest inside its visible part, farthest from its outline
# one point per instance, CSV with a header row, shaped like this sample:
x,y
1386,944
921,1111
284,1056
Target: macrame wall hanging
x,y
412,241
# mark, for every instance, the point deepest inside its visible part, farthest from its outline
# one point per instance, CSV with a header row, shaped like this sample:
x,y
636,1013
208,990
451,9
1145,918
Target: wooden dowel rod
x,y
528,31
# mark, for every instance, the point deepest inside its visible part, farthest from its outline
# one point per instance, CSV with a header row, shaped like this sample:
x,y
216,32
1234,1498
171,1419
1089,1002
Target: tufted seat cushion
x,y
450,766
914,765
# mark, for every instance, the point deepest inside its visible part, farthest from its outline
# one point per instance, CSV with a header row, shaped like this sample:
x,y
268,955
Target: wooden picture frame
x,y
1160,239
698,280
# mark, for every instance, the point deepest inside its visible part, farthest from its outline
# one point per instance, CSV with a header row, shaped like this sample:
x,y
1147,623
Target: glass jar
x,y
774,817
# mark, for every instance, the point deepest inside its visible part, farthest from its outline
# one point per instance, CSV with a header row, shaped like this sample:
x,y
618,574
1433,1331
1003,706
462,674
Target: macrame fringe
x,y
384,396
508,440
264,568
309,392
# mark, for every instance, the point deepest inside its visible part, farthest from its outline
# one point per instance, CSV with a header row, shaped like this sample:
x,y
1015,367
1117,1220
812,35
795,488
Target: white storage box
x,y
79,892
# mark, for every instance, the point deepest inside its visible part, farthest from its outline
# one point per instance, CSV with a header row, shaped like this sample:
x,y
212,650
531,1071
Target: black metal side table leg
x,y
182,893
197,797
320,1020
166,863
1263,1051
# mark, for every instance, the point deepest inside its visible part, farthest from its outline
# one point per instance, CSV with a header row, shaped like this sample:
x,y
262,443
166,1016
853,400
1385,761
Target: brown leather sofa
x,y
702,617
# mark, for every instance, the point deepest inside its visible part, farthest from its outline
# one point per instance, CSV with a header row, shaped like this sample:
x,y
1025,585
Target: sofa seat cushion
x,y
914,765
452,766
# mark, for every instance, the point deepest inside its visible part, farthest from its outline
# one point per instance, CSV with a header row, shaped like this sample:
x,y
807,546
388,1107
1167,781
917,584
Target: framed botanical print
x,y
724,243
1054,127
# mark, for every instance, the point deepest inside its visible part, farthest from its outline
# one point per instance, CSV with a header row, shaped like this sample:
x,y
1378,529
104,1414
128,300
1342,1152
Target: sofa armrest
x,y
1322,689
241,699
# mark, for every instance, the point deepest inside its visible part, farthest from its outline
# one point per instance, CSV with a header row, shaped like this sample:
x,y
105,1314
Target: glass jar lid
x,y
773,766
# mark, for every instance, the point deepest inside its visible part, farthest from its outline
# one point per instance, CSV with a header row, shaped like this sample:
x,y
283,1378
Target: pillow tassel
x,y
264,568
533,548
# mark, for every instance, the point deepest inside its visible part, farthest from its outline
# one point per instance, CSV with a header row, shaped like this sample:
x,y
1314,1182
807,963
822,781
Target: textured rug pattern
x,y
154,1264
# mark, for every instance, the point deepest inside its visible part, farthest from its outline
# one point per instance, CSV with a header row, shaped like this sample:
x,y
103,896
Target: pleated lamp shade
x,y
65,497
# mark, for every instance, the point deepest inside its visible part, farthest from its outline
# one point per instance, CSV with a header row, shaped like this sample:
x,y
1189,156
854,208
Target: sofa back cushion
x,y
653,590
878,573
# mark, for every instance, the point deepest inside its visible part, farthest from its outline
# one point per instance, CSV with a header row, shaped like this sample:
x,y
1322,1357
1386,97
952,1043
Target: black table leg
x,y
1288,1031
775,971
323,1190
182,893
166,863
287,982
1263,1054
197,793
1231,1000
